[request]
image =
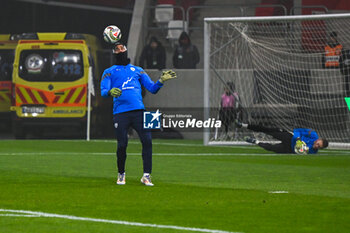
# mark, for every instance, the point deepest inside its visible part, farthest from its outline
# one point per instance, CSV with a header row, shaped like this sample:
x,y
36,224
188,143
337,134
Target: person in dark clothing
x,y
228,106
300,141
345,69
186,54
154,55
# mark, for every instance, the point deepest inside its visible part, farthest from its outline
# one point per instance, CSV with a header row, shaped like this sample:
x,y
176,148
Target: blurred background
x,y
77,16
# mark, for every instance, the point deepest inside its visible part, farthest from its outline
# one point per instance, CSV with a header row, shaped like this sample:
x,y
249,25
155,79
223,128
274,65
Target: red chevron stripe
x,y
43,96
71,92
29,91
19,93
81,94
55,100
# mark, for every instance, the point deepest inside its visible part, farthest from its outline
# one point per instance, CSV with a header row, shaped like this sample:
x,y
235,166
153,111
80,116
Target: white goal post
x,y
280,75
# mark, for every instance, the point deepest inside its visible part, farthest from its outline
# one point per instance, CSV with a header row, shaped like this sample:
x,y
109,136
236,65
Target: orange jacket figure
x,y
332,55
332,52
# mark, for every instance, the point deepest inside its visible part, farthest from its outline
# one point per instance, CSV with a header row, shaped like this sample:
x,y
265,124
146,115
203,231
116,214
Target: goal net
x,y
279,75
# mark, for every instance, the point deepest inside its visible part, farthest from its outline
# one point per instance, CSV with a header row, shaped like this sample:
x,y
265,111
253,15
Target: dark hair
x,y
231,86
153,39
325,143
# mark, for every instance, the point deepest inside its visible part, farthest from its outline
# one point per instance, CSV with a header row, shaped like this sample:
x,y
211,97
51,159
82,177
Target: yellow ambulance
x,y
50,82
7,54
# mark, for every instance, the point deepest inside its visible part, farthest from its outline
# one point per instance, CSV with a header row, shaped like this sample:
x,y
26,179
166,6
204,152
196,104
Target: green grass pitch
x,y
197,189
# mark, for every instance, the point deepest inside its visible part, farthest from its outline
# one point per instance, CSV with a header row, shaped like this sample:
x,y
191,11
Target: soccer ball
x,y
304,150
112,34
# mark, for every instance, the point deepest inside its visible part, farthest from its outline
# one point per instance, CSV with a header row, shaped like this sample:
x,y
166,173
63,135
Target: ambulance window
x,y
51,65
6,64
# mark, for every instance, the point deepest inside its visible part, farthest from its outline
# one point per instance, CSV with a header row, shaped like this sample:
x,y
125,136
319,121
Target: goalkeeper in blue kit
x,y
301,141
123,82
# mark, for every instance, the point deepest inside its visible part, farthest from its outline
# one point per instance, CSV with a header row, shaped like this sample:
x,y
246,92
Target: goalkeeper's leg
x,y
279,134
280,148
146,140
121,125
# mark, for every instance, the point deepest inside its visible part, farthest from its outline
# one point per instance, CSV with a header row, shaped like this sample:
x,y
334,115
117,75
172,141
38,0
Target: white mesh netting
x,y
277,68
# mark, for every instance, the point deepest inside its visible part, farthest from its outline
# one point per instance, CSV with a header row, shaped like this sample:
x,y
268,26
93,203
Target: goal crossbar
x,y
277,18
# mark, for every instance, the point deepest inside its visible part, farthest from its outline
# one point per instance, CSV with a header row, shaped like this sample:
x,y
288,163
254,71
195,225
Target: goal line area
x,y
281,72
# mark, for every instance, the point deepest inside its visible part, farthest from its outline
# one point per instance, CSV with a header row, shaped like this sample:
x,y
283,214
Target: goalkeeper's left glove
x,y
299,144
166,75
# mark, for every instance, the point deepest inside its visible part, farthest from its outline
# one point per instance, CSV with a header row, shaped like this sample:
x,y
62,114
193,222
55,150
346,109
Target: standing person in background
x,y
186,54
154,55
332,52
228,106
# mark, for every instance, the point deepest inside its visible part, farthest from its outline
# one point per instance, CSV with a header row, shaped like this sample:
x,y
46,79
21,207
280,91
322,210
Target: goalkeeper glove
x,y
166,75
299,144
301,147
115,92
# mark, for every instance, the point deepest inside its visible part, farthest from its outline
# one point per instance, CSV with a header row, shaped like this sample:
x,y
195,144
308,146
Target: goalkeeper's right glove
x,y
166,75
301,147
115,92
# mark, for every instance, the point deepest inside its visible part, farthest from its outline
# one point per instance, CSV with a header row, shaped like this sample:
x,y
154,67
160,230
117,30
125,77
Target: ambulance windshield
x,y
51,65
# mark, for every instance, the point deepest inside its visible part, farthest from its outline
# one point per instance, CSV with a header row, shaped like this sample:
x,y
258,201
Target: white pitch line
x,y
71,217
154,154
155,143
212,154
172,144
278,192
138,142
170,154
20,215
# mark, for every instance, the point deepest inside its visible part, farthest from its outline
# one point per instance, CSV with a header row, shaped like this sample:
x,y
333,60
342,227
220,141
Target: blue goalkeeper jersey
x,y
306,135
129,79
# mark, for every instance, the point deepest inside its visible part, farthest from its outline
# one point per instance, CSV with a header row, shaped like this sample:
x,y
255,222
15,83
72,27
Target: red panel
x,y
114,3
314,35
269,11
171,2
330,4
5,84
343,5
